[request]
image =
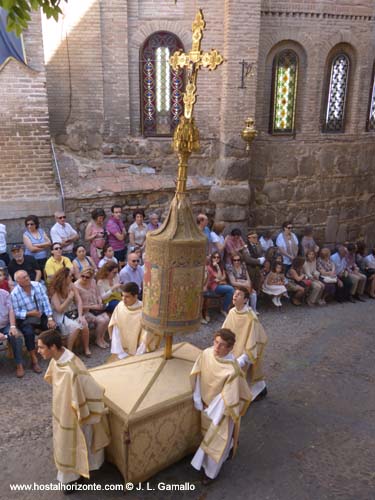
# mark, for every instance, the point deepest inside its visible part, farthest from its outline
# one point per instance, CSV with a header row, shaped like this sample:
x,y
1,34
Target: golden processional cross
x,y
186,136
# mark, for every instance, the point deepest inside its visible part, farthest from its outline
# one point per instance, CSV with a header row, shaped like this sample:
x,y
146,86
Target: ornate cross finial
x,y
193,61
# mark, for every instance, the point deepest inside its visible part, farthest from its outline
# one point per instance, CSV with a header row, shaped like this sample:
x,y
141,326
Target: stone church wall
x,y
27,181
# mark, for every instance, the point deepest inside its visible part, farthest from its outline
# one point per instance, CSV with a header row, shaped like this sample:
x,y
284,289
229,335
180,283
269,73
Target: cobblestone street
x,y
312,438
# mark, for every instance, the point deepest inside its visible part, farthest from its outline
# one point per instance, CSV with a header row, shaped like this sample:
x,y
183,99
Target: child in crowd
x,y
108,256
274,283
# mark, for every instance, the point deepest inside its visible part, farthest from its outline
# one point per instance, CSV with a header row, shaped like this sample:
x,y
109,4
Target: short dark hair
x,y
227,335
244,290
115,206
34,219
267,233
76,247
138,211
131,288
236,232
97,212
50,338
105,248
351,247
287,223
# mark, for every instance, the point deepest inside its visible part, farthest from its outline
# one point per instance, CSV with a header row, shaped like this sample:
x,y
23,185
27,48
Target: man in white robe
x,y
222,395
250,341
128,337
80,426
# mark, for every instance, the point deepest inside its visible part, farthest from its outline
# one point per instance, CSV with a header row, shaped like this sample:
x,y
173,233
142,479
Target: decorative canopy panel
x,y
174,272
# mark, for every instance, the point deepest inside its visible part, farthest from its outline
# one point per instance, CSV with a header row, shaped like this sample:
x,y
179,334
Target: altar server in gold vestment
x,y
80,426
125,327
222,395
250,341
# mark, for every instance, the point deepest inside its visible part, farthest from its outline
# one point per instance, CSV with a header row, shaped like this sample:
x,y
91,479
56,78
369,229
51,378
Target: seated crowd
x,y
71,289
285,268
79,290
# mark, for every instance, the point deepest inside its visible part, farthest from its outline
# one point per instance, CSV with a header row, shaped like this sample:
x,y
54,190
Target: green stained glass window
x,y
285,75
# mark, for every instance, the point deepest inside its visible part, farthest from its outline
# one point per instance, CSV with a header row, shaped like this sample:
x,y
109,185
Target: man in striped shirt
x,y
32,310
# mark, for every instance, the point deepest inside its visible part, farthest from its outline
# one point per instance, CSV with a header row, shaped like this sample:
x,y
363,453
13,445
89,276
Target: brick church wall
x,y
27,181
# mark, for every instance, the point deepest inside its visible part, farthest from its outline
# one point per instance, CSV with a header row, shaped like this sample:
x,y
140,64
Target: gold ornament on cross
x,y
186,136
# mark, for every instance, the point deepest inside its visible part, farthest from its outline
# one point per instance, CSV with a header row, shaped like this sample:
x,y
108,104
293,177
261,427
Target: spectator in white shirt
x,y
217,239
266,241
63,233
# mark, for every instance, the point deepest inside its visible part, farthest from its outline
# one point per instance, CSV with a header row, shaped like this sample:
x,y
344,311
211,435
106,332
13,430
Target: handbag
x,y
306,283
33,321
329,279
71,314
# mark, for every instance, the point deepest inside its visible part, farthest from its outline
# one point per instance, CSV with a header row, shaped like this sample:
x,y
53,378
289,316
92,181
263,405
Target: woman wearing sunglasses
x,y
239,277
36,241
217,281
56,262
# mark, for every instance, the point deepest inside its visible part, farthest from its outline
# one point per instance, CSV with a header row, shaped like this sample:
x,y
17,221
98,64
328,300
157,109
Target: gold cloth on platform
x,y
77,400
129,322
151,412
225,377
250,339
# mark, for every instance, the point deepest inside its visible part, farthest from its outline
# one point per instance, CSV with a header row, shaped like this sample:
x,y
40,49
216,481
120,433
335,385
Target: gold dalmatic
x,y
176,252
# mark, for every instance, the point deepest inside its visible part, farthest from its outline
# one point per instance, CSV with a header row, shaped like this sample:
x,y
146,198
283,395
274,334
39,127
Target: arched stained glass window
x,y
371,113
283,102
161,87
338,85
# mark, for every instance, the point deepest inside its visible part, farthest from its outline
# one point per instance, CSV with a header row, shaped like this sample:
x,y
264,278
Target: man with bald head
x,y
132,272
32,310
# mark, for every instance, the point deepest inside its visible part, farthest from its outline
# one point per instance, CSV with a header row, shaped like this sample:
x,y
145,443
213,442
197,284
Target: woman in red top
x,y
217,281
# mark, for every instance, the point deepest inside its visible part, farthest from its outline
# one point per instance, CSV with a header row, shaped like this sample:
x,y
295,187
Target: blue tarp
x,y
10,43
